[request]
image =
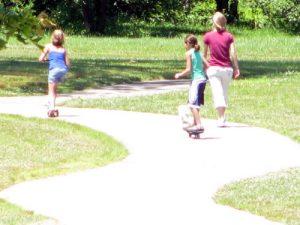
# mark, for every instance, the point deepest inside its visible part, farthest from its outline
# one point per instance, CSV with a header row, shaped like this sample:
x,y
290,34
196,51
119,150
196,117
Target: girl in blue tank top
x,y
195,65
58,64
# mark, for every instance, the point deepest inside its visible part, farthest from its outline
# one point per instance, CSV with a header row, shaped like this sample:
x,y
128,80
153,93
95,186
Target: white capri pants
x,y
219,79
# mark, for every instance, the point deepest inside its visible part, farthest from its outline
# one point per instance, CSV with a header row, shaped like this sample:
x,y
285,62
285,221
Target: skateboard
x,y
53,113
187,120
195,134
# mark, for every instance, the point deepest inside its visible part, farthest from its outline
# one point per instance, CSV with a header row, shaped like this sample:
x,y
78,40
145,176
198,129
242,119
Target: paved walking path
x,y
167,179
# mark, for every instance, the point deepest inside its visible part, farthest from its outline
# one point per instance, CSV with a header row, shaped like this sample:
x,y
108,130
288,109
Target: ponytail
x,y
197,48
192,40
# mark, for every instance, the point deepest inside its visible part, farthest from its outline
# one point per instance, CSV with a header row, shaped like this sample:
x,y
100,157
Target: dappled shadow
x,y
271,69
139,30
163,31
96,73
86,73
21,67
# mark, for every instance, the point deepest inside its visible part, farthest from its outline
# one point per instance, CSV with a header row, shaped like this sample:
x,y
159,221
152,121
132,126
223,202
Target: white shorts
x,y
196,93
219,79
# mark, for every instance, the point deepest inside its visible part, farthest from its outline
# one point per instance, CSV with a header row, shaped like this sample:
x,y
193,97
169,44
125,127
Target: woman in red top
x,y
223,63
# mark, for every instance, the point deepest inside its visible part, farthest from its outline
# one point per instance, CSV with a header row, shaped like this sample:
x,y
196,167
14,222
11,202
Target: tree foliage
x,y
115,17
17,19
281,14
101,16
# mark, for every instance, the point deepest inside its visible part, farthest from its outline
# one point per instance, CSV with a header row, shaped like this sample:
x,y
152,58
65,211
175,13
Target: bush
x,y
135,28
164,23
280,14
68,17
202,13
285,14
251,14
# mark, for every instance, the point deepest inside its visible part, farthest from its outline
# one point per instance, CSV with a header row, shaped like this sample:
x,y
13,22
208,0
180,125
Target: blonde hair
x,y
192,40
219,21
58,38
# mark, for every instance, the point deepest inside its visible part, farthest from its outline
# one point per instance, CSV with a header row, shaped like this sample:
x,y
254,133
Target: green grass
x,y
48,147
276,196
36,148
14,215
94,62
267,95
251,102
109,60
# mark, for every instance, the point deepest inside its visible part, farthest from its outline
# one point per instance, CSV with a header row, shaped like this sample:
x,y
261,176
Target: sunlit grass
x,y
36,148
267,94
98,61
276,196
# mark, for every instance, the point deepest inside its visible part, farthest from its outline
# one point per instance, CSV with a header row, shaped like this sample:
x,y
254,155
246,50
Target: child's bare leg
x,y
221,112
52,93
195,112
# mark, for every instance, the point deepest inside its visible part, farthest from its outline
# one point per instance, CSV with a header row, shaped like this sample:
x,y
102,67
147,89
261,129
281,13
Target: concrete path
x,y
167,179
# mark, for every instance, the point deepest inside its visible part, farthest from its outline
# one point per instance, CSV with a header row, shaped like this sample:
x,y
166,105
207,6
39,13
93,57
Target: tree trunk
x,y
186,5
100,15
222,6
233,10
86,16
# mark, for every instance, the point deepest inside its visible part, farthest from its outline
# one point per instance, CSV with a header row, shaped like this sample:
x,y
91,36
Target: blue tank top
x,y
197,65
57,60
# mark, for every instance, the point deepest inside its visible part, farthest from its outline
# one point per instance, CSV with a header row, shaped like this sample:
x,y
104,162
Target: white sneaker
x,y
221,122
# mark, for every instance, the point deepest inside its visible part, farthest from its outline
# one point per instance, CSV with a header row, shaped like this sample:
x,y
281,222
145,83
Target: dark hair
x,y
192,40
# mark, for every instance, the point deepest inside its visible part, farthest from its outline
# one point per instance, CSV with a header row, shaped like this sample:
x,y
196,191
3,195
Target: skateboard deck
x,y
195,134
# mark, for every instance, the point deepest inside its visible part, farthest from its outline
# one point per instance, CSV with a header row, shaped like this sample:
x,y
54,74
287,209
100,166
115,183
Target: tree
x,y
222,5
17,19
229,7
233,9
95,15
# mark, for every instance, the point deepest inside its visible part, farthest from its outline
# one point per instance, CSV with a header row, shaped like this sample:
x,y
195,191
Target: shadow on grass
x,y
270,69
30,77
164,30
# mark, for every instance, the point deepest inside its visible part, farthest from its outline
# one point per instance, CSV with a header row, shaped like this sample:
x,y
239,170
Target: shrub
x,y
251,14
280,14
202,13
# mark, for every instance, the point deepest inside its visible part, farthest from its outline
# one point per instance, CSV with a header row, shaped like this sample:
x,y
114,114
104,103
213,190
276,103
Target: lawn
x,y
267,94
94,62
275,196
36,148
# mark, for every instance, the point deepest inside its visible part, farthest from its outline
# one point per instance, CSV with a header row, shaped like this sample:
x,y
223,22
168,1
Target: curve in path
x,y
167,179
